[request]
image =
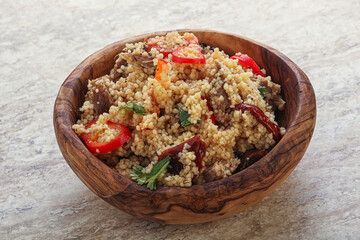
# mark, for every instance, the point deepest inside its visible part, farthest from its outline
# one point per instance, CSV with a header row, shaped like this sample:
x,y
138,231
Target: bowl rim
x,y
223,187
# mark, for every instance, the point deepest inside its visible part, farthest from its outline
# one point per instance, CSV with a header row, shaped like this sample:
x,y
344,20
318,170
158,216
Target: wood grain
x,y
199,203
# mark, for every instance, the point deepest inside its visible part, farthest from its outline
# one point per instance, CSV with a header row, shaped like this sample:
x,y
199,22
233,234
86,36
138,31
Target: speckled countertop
x,y
42,41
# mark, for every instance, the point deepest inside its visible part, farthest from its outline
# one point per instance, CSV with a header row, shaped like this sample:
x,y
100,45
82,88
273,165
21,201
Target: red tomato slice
x,y
247,62
100,148
181,55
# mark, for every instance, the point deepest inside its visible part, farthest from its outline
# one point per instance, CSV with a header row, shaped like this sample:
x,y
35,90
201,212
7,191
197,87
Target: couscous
x,y
175,112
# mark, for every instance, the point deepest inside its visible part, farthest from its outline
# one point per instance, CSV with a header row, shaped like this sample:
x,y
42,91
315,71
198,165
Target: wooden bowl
x,y
199,203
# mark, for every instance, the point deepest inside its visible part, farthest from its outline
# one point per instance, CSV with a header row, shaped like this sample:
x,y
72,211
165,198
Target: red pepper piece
x,y
191,40
212,117
167,51
164,51
160,73
182,55
196,145
247,62
95,147
160,68
262,118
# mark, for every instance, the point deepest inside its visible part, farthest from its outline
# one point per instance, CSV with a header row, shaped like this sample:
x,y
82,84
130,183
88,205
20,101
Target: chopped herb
x,y
149,178
262,91
135,107
184,117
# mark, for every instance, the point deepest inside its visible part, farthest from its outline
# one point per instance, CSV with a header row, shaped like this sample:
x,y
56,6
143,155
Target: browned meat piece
x,y
112,161
271,87
114,74
101,99
279,102
173,120
209,175
265,83
206,48
219,102
146,62
144,161
108,159
273,90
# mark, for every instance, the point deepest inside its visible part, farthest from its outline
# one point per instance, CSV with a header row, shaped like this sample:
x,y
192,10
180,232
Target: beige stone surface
x,y
42,41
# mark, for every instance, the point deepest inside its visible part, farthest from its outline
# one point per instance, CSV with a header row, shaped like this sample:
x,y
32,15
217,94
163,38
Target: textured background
x,y
42,41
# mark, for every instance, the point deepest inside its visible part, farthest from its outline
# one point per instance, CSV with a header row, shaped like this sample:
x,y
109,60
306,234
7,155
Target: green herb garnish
x,y
135,107
184,117
149,178
262,91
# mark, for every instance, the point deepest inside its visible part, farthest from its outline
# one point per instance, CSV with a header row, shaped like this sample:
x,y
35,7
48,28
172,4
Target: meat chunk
x,y
209,174
173,120
219,101
114,73
108,159
279,102
273,90
101,99
144,61
270,86
206,48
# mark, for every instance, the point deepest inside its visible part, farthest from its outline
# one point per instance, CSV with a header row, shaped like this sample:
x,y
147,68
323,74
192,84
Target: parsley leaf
x,y
149,178
262,91
184,117
135,107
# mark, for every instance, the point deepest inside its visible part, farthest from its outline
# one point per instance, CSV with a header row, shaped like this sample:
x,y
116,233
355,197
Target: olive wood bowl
x,y
199,203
